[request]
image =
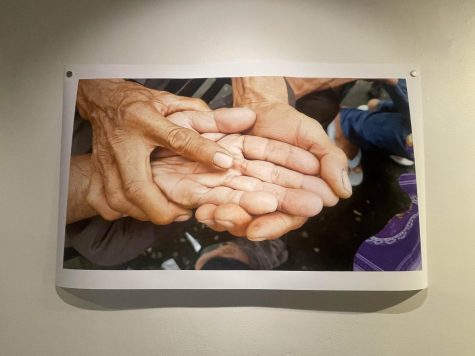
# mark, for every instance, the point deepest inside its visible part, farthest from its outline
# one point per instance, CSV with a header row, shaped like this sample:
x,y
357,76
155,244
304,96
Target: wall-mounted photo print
x,y
187,180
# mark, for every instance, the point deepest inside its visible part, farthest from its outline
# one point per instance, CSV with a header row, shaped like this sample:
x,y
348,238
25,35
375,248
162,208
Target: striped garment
x,y
397,246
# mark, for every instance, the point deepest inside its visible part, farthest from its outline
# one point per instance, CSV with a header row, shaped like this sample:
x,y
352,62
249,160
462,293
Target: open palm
x,y
257,182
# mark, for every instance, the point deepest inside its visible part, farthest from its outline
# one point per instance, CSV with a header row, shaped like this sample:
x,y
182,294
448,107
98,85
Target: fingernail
x,y
257,239
182,218
346,182
222,160
258,235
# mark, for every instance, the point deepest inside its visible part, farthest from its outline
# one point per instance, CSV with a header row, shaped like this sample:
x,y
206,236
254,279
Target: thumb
x,y
190,144
225,120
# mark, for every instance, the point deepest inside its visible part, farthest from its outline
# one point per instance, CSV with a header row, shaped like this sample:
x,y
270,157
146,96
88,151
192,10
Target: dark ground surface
x,y
326,242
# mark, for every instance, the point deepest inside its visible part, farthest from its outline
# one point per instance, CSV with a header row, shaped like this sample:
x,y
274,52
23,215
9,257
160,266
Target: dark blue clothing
x,y
386,128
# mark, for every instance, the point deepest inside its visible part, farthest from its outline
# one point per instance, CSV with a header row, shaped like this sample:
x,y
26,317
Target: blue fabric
x,y
386,128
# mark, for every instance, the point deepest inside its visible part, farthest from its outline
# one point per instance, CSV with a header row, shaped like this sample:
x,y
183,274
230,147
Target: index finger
x,y
159,131
226,120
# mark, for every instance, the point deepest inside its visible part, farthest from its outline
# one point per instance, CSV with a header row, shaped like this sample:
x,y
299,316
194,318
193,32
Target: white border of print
x,y
275,280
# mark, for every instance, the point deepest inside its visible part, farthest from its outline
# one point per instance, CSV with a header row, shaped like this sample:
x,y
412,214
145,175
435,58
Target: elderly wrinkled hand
x,y
129,122
266,175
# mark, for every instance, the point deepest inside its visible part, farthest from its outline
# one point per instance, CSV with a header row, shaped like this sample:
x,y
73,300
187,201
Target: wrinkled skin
x,y
257,184
129,122
276,119
282,122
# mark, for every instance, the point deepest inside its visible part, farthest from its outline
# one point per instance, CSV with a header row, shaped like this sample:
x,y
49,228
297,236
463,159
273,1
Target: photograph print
x,y
242,173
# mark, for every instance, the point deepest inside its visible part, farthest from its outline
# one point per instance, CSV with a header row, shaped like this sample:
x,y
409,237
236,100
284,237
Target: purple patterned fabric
x,y
397,246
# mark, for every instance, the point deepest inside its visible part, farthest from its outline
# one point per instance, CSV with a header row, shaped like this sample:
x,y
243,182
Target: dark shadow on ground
x,y
331,301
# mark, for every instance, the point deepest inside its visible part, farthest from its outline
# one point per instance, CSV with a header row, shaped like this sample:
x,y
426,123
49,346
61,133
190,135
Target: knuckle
x,y
92,200
244,167
126,110
134,112
109,215
200,103
100,207
270,146
116,201
179,118
288,158
317,147
180,139
133,189
275,174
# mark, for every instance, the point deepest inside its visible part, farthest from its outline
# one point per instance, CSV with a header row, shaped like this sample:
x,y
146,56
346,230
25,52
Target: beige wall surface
x,y
38,37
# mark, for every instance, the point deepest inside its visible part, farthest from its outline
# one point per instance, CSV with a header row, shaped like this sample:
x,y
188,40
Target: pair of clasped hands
x,y
257,170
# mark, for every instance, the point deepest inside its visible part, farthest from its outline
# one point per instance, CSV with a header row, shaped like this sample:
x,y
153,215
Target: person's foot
x,y
342,141
264,255
409,150
352,152
373,104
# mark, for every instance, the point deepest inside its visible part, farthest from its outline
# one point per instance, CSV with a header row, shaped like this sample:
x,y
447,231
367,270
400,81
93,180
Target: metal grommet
x,y
69,74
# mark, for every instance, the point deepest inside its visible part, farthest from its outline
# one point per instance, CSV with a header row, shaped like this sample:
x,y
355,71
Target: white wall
x,y
38,38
